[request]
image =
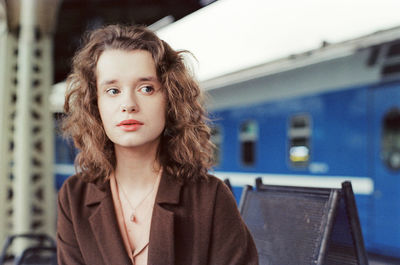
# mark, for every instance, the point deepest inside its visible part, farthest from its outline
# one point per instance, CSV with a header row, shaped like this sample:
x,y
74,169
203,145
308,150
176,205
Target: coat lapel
x,y
105,227
161,246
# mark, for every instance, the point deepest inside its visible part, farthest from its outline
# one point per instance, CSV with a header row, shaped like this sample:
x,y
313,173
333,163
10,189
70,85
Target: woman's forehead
x,y
120,64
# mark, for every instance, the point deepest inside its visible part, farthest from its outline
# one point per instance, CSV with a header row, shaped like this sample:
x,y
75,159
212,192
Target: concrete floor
x,y
381,260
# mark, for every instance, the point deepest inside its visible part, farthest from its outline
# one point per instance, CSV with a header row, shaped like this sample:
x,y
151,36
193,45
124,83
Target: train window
x,y
299,135
216,139
65,152
390,141
248,138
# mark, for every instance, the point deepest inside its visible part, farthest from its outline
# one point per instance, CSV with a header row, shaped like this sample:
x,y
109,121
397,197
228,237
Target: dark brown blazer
x,y
194,223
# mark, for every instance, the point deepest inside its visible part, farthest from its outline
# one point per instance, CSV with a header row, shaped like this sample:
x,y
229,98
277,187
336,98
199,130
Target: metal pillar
x,y
42,178
23,160
27,190
3,124
8,81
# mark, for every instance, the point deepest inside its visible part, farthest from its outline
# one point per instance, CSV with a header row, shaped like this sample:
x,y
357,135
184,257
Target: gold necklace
x,y
132,217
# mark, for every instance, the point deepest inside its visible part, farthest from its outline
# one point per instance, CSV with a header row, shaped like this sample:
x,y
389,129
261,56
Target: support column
x,y
27,190
23,160
3,123
43,183
8,81
34,200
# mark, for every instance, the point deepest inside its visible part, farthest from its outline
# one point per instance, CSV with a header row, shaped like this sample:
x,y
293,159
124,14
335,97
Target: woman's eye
x,y
112,91
147,90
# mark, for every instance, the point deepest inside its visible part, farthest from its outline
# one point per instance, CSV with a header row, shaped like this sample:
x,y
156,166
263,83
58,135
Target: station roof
x,y
74,17
77,16
326,52
231,35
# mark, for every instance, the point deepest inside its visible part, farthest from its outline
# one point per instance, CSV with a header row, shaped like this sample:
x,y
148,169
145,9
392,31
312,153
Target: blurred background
x,y
301,93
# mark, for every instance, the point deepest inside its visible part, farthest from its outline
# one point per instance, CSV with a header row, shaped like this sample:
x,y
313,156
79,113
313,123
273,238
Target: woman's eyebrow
x,y
140,79
148,78
108,82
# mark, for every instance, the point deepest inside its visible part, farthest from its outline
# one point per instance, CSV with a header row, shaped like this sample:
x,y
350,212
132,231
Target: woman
x,y
142,194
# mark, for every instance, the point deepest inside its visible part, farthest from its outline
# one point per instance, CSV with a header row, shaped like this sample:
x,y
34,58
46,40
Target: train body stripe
x,y
361,185
64,169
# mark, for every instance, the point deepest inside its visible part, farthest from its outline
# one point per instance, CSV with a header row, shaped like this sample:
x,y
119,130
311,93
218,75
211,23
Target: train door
x,y
385,167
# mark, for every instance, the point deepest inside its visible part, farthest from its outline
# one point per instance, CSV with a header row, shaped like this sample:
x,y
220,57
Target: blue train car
x,y
317,119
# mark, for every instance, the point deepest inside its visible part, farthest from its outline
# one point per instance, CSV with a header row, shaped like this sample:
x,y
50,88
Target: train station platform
x,y
374,259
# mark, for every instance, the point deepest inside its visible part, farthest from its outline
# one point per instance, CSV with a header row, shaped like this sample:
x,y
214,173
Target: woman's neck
x,y
136,169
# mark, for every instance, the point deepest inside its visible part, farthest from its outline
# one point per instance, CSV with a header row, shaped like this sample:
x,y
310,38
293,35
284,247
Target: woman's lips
x,y
130,125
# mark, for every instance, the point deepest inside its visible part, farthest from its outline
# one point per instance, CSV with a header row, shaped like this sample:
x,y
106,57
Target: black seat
x,y
228,184
42,250
38,255
300,225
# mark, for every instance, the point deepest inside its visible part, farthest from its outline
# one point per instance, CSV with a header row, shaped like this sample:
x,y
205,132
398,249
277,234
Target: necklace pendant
x,y
132,218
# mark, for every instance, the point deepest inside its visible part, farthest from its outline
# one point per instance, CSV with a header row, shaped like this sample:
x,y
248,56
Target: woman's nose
x,y
128,108
129,101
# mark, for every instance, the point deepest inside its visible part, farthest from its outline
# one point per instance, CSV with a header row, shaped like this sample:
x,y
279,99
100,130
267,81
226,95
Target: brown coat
x,y
195,223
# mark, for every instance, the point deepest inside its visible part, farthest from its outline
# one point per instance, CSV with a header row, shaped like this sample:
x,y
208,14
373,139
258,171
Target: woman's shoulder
x,y
76,188
210,187
223,190
210,181
73,183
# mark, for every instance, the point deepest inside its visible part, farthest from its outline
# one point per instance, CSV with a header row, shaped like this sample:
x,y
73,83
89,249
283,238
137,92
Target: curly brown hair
x,y
185,149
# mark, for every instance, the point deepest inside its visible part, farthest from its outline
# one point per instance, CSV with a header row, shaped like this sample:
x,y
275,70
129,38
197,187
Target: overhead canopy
x,y
230,35
319,55
46,14
2,11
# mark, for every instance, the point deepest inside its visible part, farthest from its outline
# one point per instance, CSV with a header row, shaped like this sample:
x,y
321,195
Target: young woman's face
x,y
131,102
